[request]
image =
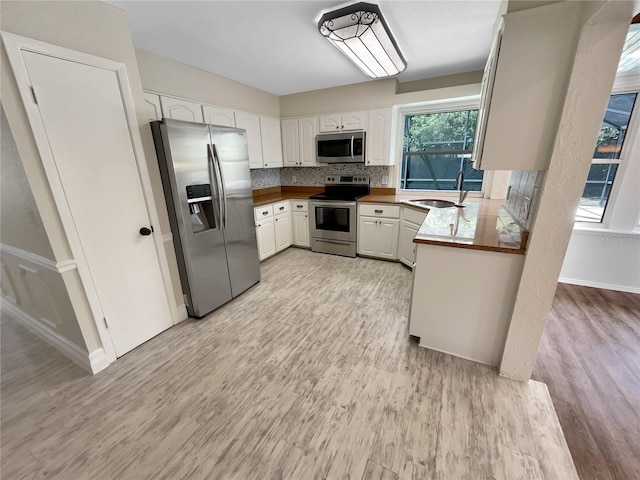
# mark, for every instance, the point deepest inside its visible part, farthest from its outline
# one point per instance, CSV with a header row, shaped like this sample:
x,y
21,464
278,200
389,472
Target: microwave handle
x,y
352,146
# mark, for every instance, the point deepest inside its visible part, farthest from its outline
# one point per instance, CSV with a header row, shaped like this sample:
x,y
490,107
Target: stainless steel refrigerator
x,y
207,187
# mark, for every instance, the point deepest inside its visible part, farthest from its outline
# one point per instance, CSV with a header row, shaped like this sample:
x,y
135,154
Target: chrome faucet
x,y
459,183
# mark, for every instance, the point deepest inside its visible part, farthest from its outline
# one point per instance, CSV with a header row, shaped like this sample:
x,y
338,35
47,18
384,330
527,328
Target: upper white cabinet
x,y
251,123
299,141
271,142
378,137
524,86
152,106
180,109
218,116
336,122
290,147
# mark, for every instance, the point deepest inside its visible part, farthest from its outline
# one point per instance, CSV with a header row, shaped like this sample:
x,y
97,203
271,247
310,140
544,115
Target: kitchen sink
x,y
432,203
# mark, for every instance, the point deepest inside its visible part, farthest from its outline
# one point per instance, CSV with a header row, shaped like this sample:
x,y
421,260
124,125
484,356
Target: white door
x,y
388,238
367,235
290,142
354,120
84,117
301,229
283,231
266,238
271,142
308,127
331,122
378,135
406,247
251,123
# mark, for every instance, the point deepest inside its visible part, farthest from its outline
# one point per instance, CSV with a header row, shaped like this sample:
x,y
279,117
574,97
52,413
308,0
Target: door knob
x,y
145,231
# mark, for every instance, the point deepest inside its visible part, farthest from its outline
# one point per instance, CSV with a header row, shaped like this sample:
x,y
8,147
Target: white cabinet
x,y
300,212
273,228
521,101
411,221
265,231
290,147
335,122
271,142
251,123
218,116
379,137
307,131
180,109
282,217
378,227
152,105
299,141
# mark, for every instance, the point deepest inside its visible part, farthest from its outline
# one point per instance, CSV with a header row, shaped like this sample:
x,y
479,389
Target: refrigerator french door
x,y
207,185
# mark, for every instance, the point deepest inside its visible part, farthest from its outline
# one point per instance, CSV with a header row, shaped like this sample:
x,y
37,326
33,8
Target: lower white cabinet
x,y
282,225
409,225
378,236
266,236
300,212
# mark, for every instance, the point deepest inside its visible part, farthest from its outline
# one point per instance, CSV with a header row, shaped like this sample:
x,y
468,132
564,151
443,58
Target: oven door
x,y
333,219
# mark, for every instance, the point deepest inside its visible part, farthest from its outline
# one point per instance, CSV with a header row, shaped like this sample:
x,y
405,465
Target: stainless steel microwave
x,y
345,147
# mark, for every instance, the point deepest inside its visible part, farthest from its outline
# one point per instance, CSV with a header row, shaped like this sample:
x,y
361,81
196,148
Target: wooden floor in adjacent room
x,y
309,375
590,359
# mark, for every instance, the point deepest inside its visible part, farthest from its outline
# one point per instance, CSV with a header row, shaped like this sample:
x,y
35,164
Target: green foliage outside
x,y
427,137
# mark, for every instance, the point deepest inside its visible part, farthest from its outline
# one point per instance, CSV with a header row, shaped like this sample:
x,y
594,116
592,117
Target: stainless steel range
x,y
333,215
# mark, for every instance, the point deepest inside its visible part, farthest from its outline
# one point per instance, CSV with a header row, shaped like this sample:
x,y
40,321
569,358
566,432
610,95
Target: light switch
x,y
31,217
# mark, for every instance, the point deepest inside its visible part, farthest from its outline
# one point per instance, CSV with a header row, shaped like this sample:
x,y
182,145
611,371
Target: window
x,y
436,147
606,158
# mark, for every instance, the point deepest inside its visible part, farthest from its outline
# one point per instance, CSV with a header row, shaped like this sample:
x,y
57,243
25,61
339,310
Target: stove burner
x,y
344,188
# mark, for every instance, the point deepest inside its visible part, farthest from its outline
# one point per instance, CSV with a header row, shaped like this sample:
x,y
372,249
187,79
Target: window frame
x,y
435,106
630,146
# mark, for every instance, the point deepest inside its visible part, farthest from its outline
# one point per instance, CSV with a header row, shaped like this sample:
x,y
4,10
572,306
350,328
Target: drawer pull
x,y
265,213
378,211
281,208
298,206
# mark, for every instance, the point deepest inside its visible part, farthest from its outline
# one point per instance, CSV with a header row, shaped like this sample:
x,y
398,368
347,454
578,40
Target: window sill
x,y
606,231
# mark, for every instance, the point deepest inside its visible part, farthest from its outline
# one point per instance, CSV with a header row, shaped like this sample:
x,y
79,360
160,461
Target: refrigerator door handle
x,y
224,190
214,177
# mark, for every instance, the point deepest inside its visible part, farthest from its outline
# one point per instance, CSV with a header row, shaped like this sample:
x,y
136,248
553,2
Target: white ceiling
x,y
275,45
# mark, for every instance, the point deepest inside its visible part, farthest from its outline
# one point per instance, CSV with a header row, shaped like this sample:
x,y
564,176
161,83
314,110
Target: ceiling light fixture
x,y
362,34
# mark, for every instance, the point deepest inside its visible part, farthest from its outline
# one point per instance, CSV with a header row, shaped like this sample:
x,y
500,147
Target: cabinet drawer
x,y
414,215
374,210
281,207
265,211
299,205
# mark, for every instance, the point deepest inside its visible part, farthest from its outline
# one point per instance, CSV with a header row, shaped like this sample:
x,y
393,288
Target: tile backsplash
x,y
265,178
315,176
523,195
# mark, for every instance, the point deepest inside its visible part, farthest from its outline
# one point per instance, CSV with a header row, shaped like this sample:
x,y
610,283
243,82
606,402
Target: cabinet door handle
x,y
276,219
378,211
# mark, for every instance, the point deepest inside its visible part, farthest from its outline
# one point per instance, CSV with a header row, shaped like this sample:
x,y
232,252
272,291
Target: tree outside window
x,y
436,147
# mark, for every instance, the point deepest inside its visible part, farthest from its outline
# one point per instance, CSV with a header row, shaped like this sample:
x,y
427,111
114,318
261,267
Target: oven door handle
x,y
324,240
332,203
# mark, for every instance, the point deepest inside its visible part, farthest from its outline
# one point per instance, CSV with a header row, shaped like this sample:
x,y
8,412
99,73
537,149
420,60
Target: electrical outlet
x,y
293,177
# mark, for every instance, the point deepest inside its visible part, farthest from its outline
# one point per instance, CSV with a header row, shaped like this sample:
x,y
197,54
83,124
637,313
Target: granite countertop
x,y
481,225
265,196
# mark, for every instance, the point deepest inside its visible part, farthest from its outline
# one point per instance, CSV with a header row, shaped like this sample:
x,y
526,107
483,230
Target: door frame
x,y
14,44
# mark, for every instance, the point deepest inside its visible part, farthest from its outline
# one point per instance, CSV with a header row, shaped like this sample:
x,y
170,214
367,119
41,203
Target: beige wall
x,y
370,95
162,75
99,29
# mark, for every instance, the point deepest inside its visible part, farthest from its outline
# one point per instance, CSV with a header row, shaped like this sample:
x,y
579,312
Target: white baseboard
x,y
92,362
605,286
181,314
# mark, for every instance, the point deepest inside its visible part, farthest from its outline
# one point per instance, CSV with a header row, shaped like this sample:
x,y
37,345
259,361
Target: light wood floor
x,y
590,358
309,375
